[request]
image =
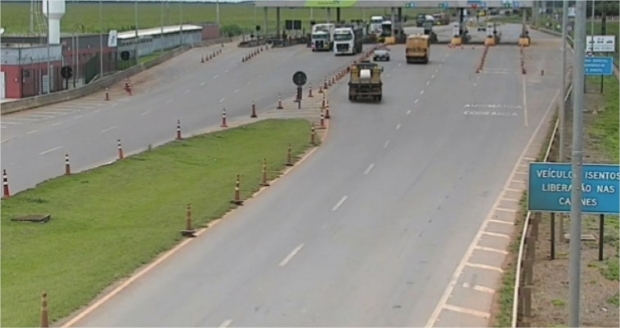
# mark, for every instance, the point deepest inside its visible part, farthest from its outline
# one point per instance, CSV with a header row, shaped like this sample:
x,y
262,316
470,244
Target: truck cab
x,y
321,41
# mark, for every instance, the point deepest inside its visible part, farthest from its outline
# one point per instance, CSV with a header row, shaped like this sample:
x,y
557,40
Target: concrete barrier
x,y
98,85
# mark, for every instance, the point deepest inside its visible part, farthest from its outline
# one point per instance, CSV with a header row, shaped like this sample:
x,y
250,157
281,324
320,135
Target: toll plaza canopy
x,y
392,3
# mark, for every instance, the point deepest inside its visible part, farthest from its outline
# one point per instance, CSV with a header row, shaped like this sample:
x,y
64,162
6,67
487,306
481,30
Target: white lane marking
x,y
249,82
398,126
388,75
148,111
109,129
369,168
386,144
408,111
433,76
227,70
215,77
525,119
237,90
96,110
291,254
340,202
226,323
222,100
168,101
77,117
40,116
437,69
56,124
467,311
422,92
113,105
475,84
482,231
416,101
428,82
202,83
188,91
33,131
49,150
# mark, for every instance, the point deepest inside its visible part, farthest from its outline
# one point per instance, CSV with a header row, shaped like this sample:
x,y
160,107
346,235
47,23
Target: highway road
x,y
369,230
34,142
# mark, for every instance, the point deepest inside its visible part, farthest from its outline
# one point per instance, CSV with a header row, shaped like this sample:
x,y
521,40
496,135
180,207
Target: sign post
x,y
299,78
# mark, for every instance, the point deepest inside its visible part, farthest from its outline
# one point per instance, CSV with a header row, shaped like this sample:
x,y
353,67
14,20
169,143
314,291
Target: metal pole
x,y
217,11
592,25
49,65
577,163
135,13
32,16
100,38
180,23
562,114
74,50
161,23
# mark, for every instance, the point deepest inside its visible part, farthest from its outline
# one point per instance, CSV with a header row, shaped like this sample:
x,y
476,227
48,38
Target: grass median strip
x,y
109,221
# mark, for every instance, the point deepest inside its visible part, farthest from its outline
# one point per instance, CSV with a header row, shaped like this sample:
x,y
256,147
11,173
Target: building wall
x,y
26,80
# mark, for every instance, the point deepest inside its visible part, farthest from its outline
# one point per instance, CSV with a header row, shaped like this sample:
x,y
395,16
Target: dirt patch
x,y
599,291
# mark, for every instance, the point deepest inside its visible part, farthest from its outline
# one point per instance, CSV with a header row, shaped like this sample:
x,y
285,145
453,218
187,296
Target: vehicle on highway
x,y
348,40
441,19
418,49
375,25
322,37
428,30
381,54
420,19
365,81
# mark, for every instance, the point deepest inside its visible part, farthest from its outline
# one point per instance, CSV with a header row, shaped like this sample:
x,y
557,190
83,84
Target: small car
x,y
381,54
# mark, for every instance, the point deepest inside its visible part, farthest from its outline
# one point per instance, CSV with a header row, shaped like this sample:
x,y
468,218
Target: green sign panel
x,y
330,3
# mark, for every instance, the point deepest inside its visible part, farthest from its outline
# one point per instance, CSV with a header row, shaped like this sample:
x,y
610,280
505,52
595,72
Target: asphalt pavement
x,y
34,142
369,230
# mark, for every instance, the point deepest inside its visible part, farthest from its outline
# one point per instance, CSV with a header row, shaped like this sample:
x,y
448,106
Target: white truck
x,y
322,38
348,40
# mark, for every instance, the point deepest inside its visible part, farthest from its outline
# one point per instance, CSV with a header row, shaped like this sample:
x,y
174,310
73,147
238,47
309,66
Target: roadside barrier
x,y
320,89
5,185
322,121
107,94
224,125
310,91
67,165
280,102
327,116
325,84
323,102
120,149
313,134
265,182
253,115
45,320
189,230
179,137
237,199
289,156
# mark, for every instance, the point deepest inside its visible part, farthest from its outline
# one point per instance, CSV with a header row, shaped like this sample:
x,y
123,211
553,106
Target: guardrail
x,y
99,84
530,226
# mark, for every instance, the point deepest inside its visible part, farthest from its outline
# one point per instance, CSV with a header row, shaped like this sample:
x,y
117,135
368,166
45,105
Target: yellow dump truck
x,y
365,81
418,49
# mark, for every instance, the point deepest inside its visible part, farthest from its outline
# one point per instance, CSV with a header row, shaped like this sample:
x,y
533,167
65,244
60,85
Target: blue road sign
x,y
599,66
410,5
550,188
444,5
515,4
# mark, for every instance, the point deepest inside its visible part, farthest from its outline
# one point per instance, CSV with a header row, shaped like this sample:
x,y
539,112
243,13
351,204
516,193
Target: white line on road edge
x,y
49,150
226,323
398,126
148,111
222,100
457,273
408,111
369,168
340,202
291,254
109,129
386,144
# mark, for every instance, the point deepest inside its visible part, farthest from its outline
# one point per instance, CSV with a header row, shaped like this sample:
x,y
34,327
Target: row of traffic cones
x,y
484,56
253,53
207,57
127,87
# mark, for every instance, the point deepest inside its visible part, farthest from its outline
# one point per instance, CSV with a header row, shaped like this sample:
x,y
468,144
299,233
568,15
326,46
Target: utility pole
x,y
217,12
161,23
592,25
562,114
100,38
574,284
180,23
135,13
49,64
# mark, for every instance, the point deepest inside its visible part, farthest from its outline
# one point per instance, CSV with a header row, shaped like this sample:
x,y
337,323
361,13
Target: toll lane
x,y
150,117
